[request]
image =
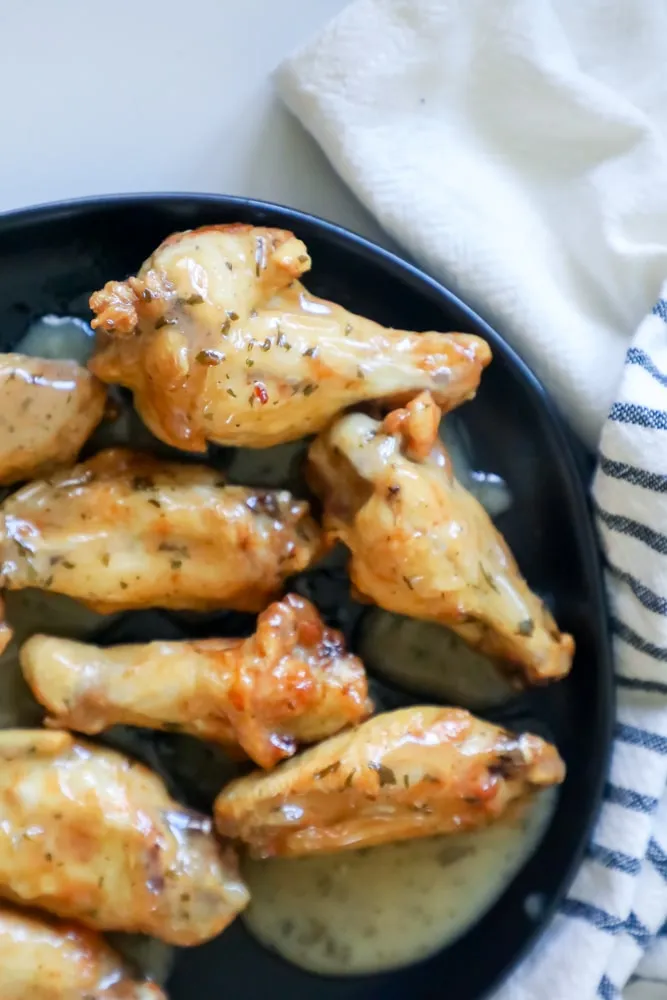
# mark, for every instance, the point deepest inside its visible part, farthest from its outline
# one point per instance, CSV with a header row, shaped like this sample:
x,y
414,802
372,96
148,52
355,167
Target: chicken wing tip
x,y
417,425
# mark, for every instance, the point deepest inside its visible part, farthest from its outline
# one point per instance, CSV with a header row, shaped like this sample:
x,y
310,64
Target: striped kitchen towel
x,y
610,937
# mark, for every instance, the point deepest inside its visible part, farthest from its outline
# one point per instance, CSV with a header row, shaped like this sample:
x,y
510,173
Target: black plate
x,y
52,257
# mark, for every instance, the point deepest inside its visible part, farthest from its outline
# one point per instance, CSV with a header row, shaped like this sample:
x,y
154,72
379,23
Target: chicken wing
x,y
411,773
291,682
219,342
422,546
49,409
90,834
46,959
125,530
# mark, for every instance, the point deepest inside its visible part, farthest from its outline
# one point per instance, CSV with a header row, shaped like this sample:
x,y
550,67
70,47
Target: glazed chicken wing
x,y
46,959
49,409
291,682
422,546
411,773
126,530
89,834
219,342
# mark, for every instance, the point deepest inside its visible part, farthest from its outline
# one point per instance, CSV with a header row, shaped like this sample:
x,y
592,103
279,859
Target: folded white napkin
x,y
517,149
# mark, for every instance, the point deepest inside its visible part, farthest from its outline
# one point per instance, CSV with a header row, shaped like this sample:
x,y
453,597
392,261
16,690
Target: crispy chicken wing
x,y
291,682
46,959
410,773
125,530
89,834
422,546
49,409
219,342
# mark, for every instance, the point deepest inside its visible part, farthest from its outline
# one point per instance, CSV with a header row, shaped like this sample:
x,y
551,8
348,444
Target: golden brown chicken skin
x,y
291,682
220,342
49,409
42,958
411,773
126,530
424,547
89,834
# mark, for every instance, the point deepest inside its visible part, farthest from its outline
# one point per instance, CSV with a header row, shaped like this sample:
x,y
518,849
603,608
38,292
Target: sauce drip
x,y
385,907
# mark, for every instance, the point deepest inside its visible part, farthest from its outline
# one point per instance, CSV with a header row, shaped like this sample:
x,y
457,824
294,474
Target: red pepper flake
x,y
260,393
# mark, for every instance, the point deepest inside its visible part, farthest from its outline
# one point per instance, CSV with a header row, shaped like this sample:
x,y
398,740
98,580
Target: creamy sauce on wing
x,y
429,659
389,906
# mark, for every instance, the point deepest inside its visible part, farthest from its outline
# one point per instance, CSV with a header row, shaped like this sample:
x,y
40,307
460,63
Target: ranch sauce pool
x,y
428,659
386,907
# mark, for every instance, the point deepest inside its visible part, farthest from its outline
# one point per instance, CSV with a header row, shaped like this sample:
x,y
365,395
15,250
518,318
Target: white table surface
x,y
128,95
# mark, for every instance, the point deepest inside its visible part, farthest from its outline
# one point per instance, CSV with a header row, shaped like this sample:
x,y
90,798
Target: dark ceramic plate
x,y
52,257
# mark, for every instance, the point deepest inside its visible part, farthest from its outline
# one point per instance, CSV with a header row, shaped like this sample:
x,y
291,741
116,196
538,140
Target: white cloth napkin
x,y
517,149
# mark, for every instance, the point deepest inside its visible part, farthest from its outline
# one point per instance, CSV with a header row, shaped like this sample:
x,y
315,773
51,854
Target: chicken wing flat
x,y
49,409
220,342
411,773
422,546
291,682
126,530
46,959
89,834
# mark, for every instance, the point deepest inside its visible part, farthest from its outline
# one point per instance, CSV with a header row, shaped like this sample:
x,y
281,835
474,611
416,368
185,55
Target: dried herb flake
x,y
385,774
142,483
331,769
210,358
488,578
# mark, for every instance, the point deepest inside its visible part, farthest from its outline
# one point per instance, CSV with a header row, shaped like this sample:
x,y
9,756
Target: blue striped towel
x,y
612,928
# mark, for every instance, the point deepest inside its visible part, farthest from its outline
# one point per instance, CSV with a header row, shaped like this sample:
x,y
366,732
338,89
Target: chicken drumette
x,y
127,530
410,773
291,682
422,546
49,409
89,834
220,342
46,959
